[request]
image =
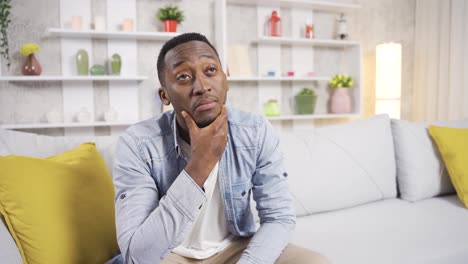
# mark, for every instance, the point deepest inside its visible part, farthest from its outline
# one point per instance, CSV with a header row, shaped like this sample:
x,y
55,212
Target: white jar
x,y
84,116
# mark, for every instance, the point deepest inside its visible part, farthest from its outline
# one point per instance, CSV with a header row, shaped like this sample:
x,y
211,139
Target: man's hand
x,y
207,145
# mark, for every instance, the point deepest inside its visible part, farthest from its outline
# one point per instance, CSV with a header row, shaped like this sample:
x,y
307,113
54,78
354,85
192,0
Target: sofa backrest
x,y
340,166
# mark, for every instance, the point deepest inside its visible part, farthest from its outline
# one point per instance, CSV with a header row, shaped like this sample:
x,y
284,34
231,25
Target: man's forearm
x,y
149,240
267,243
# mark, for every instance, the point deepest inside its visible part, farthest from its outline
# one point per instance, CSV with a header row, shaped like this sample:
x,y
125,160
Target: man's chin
x,y
206,118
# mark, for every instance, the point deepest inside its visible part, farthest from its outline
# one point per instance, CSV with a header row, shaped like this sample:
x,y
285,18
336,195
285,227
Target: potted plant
x,y
31,66
170,16
305,101
4,22
340,101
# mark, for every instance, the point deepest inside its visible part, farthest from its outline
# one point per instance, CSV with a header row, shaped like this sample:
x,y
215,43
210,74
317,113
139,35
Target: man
x,y
184,180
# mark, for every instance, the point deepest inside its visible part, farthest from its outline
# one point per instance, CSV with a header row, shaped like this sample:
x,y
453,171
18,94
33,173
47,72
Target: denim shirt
x,y
157,202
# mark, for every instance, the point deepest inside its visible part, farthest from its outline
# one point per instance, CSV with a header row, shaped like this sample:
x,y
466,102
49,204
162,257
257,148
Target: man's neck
x,y
183,134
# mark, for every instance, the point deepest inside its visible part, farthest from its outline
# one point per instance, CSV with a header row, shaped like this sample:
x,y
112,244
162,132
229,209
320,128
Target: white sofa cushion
x,y
421,172
432,231
39,146
340,166
9,253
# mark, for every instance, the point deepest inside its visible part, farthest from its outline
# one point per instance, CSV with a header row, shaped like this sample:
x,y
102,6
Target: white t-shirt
x,y
209,234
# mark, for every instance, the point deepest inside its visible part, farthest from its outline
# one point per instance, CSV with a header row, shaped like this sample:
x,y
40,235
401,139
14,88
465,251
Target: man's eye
x,y
212,69
183,77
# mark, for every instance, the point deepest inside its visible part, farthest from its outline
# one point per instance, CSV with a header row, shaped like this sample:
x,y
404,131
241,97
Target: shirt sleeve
x,y
148,228
274,202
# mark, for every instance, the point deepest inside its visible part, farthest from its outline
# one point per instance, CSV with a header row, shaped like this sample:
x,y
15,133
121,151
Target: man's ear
x,y
163,95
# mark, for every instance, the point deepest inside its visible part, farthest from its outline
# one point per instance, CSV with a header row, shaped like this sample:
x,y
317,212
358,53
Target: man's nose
x,y
201,85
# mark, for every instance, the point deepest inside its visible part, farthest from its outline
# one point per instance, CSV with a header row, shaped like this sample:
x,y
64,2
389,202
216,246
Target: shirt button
x,y
243,193
123,195
200,206
285,174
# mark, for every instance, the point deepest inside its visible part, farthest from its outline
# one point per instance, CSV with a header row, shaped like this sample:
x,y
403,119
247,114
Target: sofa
x,y
367,191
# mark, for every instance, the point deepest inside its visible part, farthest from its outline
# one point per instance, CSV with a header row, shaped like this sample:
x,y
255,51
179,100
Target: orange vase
x,y
170,25
31,66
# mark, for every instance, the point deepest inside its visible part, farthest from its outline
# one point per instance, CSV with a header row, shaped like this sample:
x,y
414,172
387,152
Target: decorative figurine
x,y
309,29
342,31
272,108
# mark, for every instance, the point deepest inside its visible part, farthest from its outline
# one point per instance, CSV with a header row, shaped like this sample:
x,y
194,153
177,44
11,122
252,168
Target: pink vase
x,y
340,101
31,66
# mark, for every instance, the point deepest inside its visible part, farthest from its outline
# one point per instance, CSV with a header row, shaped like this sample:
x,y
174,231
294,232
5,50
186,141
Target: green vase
x,y
82,62
98,69
116,64
305,104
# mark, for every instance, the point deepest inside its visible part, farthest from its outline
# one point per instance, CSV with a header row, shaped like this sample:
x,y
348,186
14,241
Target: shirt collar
x,y
176,138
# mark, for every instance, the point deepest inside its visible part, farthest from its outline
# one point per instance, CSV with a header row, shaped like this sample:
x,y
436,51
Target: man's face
x,y
194,82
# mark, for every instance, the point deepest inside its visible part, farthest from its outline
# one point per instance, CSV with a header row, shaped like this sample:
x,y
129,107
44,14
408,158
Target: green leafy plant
x,y
341,81
4,22
29,48
307,91
170,13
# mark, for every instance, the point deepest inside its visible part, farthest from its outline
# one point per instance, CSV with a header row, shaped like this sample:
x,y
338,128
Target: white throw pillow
x,y
421,172
340,166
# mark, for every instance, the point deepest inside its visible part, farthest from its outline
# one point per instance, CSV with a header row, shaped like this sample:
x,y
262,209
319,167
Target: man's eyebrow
x,y
207,56
178,63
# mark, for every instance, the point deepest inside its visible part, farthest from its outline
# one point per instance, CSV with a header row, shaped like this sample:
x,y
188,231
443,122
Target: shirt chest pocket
x,y
241,193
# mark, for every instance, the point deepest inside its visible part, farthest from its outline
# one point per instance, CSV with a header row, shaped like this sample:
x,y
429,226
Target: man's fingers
x,y
192,126
221,119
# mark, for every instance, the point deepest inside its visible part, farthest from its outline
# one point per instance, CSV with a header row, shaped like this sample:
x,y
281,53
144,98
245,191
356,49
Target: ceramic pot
x,y
305,104
31,66
340,101
170,25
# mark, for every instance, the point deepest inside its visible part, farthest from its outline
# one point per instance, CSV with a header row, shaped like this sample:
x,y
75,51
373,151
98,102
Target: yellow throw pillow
x,y
59,209
453,147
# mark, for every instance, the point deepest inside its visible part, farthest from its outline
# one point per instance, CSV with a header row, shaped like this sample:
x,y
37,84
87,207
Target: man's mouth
x,y
205,104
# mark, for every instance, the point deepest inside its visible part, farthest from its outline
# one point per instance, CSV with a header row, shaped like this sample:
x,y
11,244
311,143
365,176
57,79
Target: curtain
x,y
440,90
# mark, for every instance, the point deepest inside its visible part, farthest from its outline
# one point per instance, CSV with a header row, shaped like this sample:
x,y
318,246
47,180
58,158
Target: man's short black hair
x,y
172,43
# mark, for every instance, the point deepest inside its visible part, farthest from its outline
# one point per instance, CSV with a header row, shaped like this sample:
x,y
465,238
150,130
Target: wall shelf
x,y
318,5
277,79
307,42
70,33
309,117
72,78
66,125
